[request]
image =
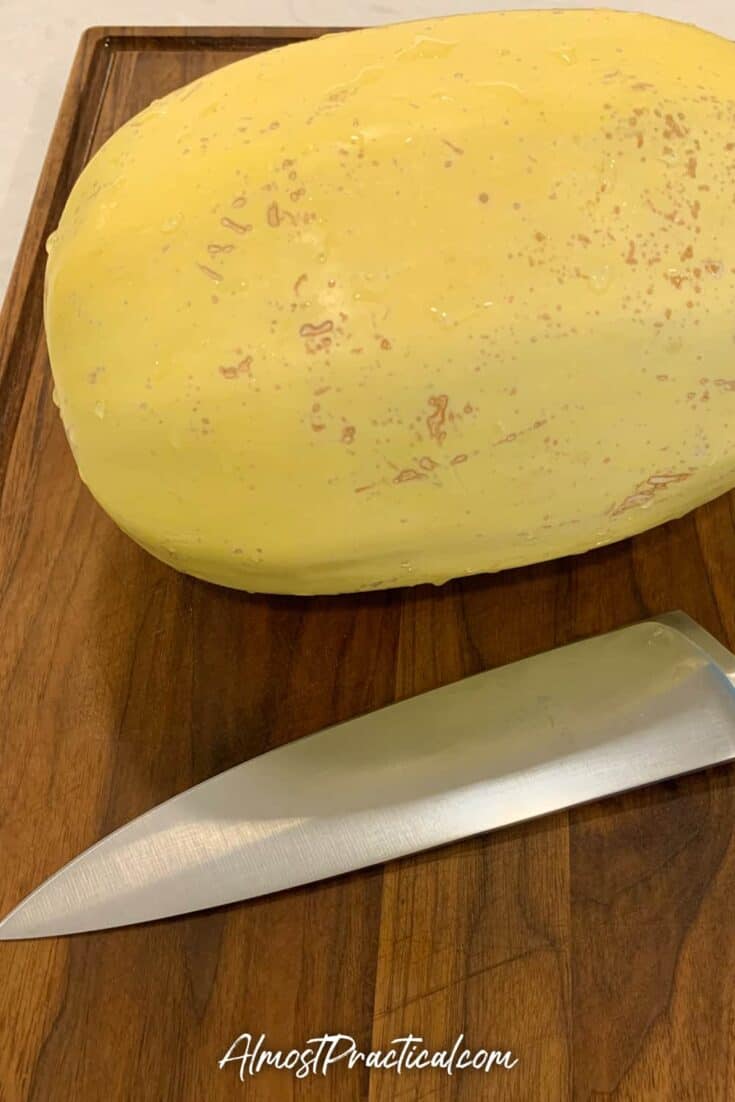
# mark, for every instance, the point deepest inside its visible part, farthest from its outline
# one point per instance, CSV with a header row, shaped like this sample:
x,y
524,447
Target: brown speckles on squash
x,y
299,282
408,474
675,127
210,273
235,227
309,330
483,197
216,250
234,371
348,434
645,491
436,419
511,436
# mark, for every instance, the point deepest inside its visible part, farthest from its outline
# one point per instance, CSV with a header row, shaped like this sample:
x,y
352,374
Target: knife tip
x,y
10,928
22,924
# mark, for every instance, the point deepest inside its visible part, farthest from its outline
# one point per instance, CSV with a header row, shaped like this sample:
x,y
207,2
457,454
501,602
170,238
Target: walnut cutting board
x,y
599,945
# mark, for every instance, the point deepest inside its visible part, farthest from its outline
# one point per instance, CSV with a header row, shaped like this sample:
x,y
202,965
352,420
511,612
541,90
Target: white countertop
x,y
38,39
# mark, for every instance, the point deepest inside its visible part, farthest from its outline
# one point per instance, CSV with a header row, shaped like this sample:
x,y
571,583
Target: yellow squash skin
x,y
409,303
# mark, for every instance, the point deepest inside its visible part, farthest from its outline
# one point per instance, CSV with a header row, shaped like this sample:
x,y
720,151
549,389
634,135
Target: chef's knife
x,y
601,716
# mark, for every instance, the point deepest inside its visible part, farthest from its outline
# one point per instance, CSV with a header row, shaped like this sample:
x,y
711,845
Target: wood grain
x,y
599,945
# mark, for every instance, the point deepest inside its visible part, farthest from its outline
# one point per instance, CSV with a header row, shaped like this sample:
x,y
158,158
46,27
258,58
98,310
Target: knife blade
x,y
611,713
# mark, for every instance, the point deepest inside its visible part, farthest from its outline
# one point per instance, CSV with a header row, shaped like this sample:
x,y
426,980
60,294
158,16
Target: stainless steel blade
x,y
611,713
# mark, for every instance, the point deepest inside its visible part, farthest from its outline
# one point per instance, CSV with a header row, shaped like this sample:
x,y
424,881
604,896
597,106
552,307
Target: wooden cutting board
x,y
598,945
